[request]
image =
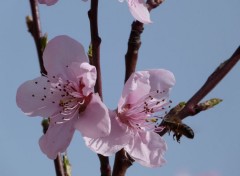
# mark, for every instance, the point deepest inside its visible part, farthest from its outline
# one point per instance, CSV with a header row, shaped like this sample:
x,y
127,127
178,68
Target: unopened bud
x,y
67,165
44,40
210,103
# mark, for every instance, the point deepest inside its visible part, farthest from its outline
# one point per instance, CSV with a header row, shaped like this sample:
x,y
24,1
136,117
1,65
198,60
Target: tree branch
x,y
105,167
122,160
35,29
95,41
212,81
193,107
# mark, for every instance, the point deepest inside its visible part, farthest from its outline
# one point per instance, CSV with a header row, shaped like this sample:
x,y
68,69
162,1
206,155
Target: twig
x,y
95,41
105,167
212,81
134,41
122,159
193,107
35,29
122,162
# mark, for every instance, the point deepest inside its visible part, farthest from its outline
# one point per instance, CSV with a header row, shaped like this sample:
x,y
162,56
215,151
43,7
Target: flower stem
x,y
105,167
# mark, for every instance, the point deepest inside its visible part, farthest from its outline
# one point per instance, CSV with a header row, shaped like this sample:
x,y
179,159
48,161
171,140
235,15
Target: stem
x,y
59,165
35,30
122,160
96,41
211,82
105,167
134,43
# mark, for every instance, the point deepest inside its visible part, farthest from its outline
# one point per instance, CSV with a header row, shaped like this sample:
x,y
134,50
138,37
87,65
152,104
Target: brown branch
x,y
95,41
212,81
134,43
193,107
105,167
35,29
122,160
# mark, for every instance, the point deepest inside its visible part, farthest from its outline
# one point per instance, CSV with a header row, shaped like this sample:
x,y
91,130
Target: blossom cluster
x,y
65,96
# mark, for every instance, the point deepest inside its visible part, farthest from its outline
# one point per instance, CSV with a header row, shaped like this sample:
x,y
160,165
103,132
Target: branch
x,y
35,29
193,107
94,57
134,41
122,160
95,42
211,82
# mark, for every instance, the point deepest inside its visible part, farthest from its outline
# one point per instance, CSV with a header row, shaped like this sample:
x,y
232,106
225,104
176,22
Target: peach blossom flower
x,y
133,124
65,96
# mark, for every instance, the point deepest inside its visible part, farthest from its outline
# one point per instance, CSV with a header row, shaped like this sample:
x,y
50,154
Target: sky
x,y
190,38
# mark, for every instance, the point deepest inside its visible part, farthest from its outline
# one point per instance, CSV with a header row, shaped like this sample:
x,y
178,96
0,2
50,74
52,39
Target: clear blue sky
x,y
190,38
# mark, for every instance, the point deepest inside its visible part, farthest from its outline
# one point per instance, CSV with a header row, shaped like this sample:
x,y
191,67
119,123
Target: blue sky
x,y
190,38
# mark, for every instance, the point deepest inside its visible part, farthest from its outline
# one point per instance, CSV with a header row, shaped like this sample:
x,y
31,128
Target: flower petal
x,y
57,138
147,148
87,74
59,53
136,86
35,98
115,141
47,2
139,11
161,79
94,122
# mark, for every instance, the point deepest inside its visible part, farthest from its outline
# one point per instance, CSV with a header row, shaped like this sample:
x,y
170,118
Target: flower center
x,y
72,100
141,114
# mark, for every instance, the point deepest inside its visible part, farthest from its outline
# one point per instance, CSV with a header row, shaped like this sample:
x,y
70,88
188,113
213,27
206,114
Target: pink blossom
x,y
139,11
48,2
134,123
65,96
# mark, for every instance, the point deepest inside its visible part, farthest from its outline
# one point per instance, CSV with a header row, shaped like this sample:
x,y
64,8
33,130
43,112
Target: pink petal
x,y
35,98
147,148
115,141
139,11
59,53
47,2
87,74
161,79
94,122
57,138
136,86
